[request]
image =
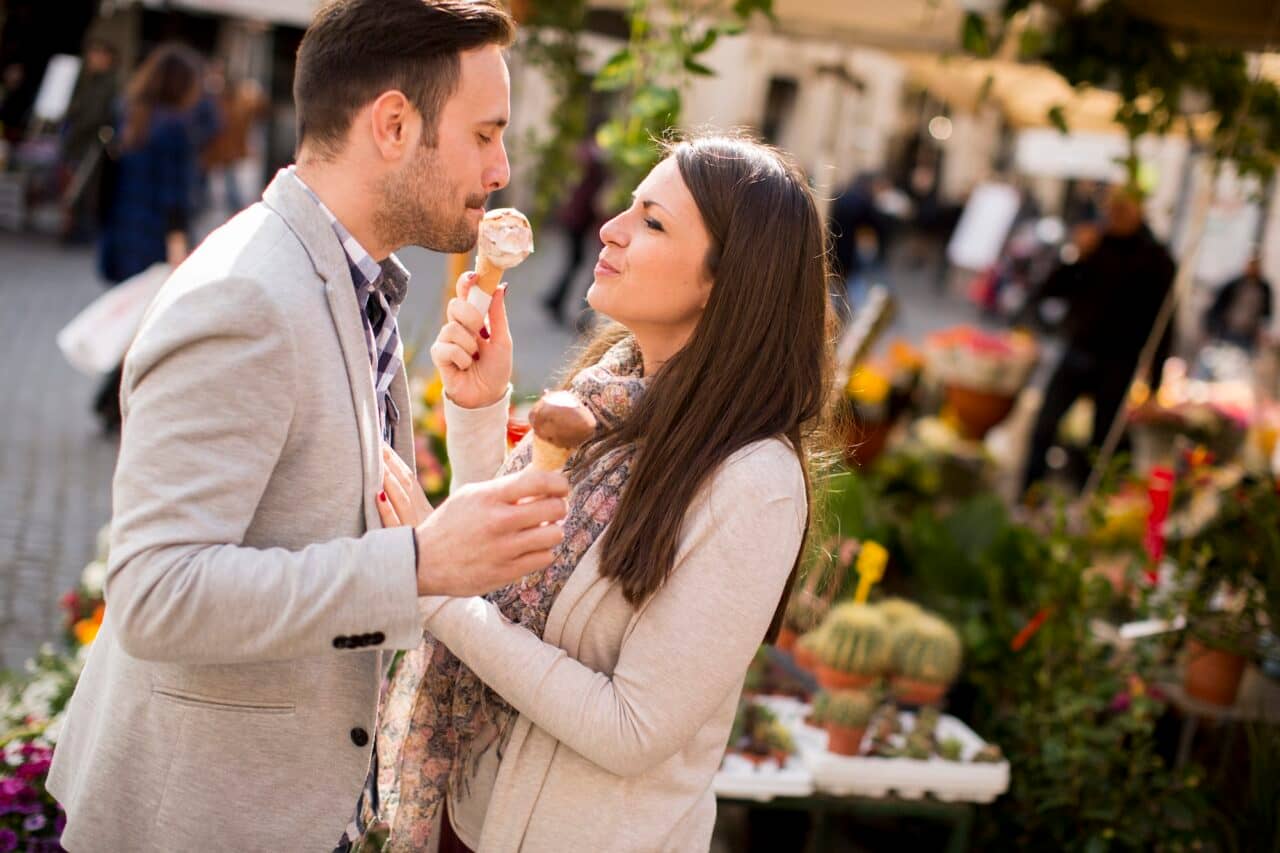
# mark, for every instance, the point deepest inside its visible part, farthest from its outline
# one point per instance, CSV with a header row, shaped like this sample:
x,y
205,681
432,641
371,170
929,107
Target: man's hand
x,y
487,535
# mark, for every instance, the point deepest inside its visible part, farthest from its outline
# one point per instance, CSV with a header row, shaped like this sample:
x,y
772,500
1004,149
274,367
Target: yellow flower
x,y
868,385
434,390
86,630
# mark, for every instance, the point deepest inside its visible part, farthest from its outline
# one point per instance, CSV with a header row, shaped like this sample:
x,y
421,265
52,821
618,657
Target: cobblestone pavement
x,y
55,465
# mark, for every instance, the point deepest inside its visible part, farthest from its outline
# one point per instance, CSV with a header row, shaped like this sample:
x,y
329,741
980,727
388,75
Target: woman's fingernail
x,y
484,333
382,496
475,356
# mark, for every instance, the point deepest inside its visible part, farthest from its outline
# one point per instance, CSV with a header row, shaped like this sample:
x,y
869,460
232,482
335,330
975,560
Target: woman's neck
x,y
658,346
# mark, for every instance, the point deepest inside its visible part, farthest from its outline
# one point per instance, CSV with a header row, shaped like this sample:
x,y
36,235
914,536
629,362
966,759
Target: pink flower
x,y
34,769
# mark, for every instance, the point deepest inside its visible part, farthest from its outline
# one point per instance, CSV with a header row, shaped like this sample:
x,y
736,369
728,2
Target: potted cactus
x,y
897,609
853,647
805,651
925,659
847,714
818,713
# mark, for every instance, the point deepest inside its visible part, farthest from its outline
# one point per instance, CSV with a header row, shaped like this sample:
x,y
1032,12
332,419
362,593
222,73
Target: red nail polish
x,y
475,356
382,496
484,333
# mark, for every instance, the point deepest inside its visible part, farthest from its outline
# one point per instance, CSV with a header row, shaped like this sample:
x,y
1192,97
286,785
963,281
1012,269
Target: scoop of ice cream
x,y
506,238
561,420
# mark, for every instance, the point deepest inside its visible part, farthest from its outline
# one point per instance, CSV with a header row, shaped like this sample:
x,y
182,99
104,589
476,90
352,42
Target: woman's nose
x,y
614,232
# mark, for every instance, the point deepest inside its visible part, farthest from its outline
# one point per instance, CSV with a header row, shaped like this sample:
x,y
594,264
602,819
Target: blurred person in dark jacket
x,y
860,234
1241,309
92,108
147,195
241,104
1114,291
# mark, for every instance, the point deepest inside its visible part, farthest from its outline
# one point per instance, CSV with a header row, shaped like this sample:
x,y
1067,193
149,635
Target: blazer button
x,y
359,736
379,638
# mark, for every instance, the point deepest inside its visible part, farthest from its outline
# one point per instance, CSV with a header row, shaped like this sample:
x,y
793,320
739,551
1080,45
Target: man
x,y
92,108
1113,293
228,701
1241,310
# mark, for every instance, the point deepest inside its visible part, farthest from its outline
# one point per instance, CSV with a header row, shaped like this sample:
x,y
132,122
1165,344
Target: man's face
x,y
436,199
1124,213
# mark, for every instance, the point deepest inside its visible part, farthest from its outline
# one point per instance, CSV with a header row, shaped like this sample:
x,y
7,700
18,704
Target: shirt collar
x,y
390,276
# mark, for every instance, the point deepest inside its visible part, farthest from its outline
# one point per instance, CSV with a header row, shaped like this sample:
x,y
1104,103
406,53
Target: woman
x,y
614,678
147,188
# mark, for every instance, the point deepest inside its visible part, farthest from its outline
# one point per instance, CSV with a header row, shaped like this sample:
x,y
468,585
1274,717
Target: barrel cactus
x,y
848,712
926,657
853,646
898,609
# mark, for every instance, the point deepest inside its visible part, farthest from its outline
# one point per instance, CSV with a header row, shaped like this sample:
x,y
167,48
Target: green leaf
x,y
705,43
974,36
1058,118
617,72
694,67
744,8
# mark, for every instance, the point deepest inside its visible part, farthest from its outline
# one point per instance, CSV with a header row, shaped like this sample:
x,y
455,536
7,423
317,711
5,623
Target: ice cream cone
x,y
488,275
547,456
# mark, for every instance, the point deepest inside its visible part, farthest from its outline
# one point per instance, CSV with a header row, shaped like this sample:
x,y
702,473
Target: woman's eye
x,y
484,139
654,224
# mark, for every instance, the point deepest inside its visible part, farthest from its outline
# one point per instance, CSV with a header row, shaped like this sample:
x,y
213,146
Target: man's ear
x,y
391,120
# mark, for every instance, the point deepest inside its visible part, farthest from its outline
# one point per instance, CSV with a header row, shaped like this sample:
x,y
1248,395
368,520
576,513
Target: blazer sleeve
x,y
208,397
687,649
476,440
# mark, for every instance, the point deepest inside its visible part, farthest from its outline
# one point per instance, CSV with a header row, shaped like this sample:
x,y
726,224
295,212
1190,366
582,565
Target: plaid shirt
x,y
380,290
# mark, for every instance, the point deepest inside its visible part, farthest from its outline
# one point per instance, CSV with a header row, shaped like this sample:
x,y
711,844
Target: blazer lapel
x,y
289,199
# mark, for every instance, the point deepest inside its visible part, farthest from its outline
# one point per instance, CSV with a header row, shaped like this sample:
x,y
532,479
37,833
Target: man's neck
x,y
348,198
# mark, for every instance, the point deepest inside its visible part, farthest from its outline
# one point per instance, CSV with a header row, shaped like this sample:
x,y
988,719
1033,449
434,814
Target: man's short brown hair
x,y
355,50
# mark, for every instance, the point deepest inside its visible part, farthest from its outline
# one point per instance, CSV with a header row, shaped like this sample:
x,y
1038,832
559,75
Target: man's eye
x,y
654,224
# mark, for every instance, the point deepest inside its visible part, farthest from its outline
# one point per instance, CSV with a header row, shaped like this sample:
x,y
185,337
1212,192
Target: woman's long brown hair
x,y
758,365
169,78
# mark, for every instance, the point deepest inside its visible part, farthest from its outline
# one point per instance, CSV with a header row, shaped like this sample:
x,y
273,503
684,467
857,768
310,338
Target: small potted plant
x,y
896,609
853,648
926,655
847,714
805,651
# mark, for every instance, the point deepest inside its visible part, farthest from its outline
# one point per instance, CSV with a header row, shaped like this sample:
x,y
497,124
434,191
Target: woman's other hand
x,y
474,362
401,503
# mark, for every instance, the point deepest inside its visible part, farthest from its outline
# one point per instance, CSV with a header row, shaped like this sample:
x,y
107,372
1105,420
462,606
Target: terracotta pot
x,y
1212,675
834,679
786,640
912,691
865,442
843,740
805,658
977,411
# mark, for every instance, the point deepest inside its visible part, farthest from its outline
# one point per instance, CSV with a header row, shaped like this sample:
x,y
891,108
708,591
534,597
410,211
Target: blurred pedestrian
x,y
860,235
1114,292
92,108
241,104
579,216
1241,310
147,188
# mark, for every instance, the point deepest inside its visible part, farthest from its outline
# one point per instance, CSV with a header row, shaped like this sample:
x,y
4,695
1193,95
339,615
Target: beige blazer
x,y
625,712
227,702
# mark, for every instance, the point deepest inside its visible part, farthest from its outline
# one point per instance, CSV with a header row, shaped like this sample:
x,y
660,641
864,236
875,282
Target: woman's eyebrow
x,y
647,203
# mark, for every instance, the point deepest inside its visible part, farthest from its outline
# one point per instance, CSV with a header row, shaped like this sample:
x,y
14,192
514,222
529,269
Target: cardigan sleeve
x,y
688,647
476,440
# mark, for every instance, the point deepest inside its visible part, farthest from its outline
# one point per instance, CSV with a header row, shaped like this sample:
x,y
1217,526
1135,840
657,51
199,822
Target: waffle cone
x,y
547,456
488,275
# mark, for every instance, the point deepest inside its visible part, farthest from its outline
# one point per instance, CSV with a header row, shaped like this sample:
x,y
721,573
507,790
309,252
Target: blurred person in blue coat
x,y
146,192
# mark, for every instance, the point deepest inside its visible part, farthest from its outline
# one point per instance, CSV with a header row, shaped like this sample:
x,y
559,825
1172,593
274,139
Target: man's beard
x,y
418,208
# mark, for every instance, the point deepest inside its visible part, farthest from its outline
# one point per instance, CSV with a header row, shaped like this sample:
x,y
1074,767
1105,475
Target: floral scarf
x,y
439,717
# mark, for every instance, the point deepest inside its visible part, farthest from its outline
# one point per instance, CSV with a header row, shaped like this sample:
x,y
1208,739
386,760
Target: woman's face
x,y
652,275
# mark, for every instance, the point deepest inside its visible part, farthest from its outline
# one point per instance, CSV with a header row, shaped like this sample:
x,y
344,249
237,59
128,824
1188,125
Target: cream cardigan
x,y
624,713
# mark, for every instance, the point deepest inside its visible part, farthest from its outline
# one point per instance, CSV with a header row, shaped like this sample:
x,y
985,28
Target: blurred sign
x,y
1047,152
984,226
55,89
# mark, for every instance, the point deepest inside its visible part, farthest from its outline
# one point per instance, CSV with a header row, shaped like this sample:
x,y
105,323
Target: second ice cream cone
x,y
547,456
